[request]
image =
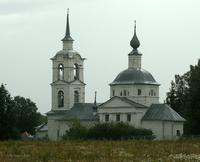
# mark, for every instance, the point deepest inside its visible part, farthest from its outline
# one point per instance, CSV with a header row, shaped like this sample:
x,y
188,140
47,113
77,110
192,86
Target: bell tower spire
x,y
67,40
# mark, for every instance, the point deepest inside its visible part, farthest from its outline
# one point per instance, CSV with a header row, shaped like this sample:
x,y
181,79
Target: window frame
x,y
60,71
118,117
61,99
76,96
107,117
128,117
139,92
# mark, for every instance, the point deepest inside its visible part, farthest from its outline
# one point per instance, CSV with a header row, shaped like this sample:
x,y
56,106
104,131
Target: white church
x,y
134,96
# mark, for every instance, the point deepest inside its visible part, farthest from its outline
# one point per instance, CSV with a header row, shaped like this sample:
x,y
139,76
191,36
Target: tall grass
x,y
100,151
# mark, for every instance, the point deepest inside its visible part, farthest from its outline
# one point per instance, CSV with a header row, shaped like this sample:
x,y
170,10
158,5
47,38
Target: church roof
x,y
80,111
42,128
162,112
134,76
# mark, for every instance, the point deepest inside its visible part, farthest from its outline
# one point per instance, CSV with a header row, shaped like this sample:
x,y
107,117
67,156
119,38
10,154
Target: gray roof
x,y
42,128
162,112
134,76
80,111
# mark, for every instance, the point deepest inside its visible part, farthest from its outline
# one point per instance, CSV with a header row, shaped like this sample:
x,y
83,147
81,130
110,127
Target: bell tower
x,y
67,85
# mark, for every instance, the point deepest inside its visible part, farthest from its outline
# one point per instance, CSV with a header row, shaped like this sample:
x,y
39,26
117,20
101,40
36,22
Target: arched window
x,y
76,97
60,99
60,72
76,71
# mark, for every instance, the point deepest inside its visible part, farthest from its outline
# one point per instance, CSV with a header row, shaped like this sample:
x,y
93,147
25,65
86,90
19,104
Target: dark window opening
x,y
76,97
139,92
178,133
152,93
60,99
124,92
60,72
113,92
128,117
107,117
121,93
76,72
118,117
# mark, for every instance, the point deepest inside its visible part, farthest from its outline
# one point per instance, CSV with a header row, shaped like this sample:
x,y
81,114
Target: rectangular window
x,y
107,117
139,91
124,92
113,92
118,117
178,133
128,117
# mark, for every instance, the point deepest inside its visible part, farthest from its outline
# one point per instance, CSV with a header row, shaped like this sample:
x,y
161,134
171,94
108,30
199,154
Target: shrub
x,y
76,131
109,131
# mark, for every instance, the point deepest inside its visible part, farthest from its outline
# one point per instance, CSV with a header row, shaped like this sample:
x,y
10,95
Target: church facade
x,y
134,96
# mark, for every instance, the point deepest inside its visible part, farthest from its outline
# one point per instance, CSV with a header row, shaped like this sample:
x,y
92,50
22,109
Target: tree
x,y
193,113
7,116
27,117
17,115
184,97
178,95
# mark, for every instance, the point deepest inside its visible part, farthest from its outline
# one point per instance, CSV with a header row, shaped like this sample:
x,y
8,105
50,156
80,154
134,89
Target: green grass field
x,y
100,151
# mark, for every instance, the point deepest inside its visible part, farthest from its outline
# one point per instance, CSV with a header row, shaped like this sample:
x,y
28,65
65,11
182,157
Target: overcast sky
x,y
31,30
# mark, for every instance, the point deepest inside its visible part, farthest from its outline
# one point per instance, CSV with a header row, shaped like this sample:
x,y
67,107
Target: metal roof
x,y
162,112
134,76
42,128
80,111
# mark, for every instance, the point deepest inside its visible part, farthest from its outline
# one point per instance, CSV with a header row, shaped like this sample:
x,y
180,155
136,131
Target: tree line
x,y
17,114
184,97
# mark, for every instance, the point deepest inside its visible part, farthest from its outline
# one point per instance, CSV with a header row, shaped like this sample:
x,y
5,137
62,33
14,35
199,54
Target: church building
x,y
134,96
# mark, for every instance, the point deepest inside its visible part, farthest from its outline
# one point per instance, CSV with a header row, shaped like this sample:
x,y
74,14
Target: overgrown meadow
x,y
100,151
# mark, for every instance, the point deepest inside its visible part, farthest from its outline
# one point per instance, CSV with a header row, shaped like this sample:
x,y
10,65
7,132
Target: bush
x,y
109,131
76,131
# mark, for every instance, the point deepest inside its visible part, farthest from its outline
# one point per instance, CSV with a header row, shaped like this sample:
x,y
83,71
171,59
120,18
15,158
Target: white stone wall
x,y
164,129
68,58
67,45
132,93
57,128
116,106
134,61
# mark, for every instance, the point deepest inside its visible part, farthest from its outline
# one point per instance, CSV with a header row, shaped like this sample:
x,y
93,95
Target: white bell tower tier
x,y
68,85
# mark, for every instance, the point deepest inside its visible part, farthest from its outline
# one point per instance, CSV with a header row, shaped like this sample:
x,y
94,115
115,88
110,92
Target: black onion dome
x,y
134,76
135,43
